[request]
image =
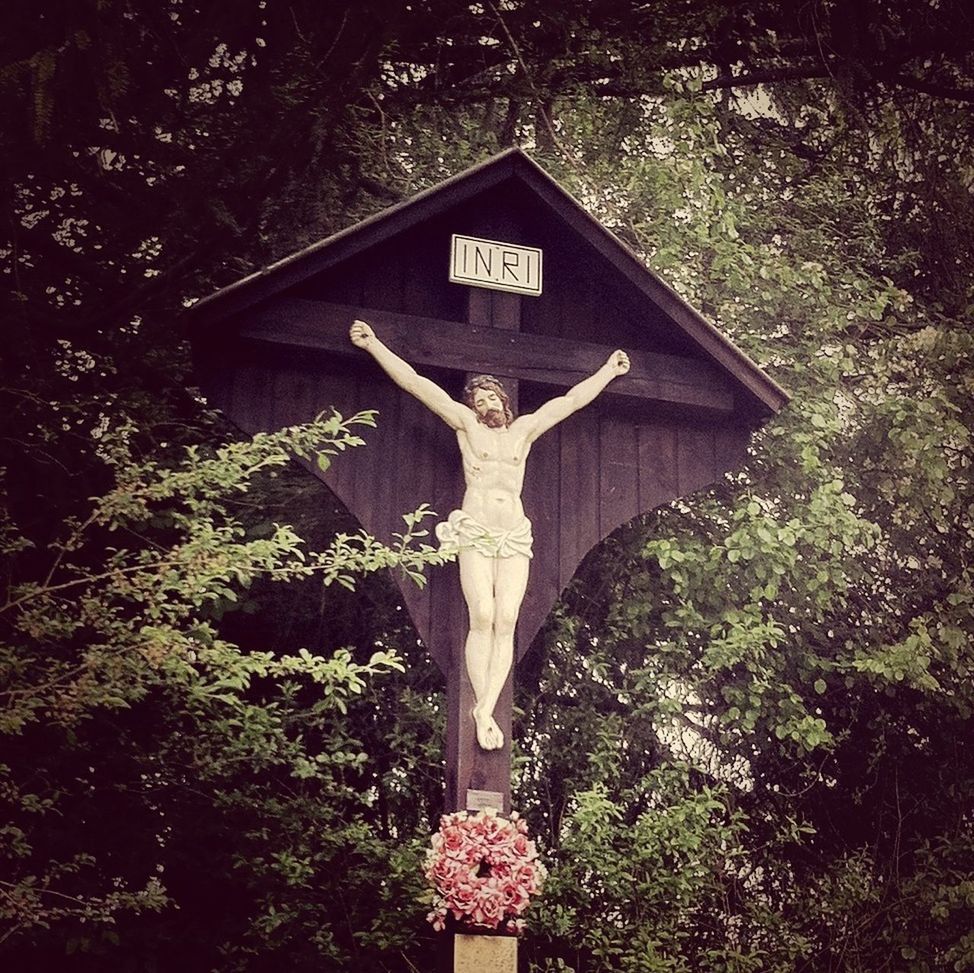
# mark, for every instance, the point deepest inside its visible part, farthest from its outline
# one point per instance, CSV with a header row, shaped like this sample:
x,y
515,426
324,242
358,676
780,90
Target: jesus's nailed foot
x,y
489,734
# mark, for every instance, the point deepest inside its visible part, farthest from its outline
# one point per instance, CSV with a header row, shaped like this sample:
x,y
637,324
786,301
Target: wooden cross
x,y
674,424
598,496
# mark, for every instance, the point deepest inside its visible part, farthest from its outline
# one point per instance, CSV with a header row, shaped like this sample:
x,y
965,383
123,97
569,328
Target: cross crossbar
x,y
318,326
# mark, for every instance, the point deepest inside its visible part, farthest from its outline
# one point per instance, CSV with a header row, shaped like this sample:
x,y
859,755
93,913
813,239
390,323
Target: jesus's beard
x,y
494,419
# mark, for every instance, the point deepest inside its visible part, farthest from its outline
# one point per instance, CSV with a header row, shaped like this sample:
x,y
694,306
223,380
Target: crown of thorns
x,y
483,382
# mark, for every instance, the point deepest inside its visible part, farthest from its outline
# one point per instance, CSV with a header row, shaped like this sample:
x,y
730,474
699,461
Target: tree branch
x,y
931,88
768,76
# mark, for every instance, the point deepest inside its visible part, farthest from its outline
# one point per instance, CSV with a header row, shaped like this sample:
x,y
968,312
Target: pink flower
x,y
438,919
442,872
452,840
462,894
491,908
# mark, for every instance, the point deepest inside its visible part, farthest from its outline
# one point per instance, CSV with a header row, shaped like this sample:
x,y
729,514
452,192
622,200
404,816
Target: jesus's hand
x,y
618,361
361,334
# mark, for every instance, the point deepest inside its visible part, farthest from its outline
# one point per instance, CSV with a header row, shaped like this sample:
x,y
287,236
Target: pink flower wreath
x,y
483,870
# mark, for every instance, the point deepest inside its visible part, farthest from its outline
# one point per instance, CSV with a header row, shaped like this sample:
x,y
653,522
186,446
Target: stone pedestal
x,y
484,954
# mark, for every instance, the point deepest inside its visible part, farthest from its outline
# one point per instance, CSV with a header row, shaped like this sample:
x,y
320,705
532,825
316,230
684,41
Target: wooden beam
x,y
320,327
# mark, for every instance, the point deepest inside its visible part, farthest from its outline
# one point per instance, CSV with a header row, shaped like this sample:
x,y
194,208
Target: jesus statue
x,y
490,532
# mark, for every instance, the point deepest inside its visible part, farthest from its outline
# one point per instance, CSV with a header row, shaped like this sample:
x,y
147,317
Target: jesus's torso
x,y
493,467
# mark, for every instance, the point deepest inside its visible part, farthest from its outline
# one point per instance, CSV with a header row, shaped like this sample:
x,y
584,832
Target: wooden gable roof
x,y
511,168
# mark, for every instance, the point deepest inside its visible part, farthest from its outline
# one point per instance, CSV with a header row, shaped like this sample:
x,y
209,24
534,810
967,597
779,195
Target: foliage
x,y
801,634
743,734
648,892
127,638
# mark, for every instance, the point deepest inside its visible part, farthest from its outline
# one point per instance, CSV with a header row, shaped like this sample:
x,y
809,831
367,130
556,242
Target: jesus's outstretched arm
x,y
579,396
453,413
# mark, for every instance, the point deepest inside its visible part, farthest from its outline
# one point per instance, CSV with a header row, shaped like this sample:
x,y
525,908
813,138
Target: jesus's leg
x,y
510,582
477,582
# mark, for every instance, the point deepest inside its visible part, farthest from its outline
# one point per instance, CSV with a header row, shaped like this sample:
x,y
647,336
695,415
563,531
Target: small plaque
x,y
495,265
478,800
484,954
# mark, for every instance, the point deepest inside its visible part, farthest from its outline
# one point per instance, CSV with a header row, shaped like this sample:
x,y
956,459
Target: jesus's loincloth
x,y
461,532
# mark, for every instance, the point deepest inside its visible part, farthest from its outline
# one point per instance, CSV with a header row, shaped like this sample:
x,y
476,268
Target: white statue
x,y
490,531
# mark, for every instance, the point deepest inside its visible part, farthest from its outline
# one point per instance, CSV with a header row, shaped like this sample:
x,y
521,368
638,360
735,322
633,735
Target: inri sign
x,y
499,266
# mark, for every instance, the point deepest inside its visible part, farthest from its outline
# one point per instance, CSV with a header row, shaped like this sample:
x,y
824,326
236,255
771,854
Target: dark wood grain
x,y
658,464
542,505
551,206
322,328
618,474
579,493
480,310
421,434
696,459
578,221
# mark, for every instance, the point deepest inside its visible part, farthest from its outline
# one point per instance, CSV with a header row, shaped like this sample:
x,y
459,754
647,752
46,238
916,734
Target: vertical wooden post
x,y
468,768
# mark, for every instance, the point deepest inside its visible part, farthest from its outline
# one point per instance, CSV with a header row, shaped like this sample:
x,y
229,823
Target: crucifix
x,y
497,270
490,533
